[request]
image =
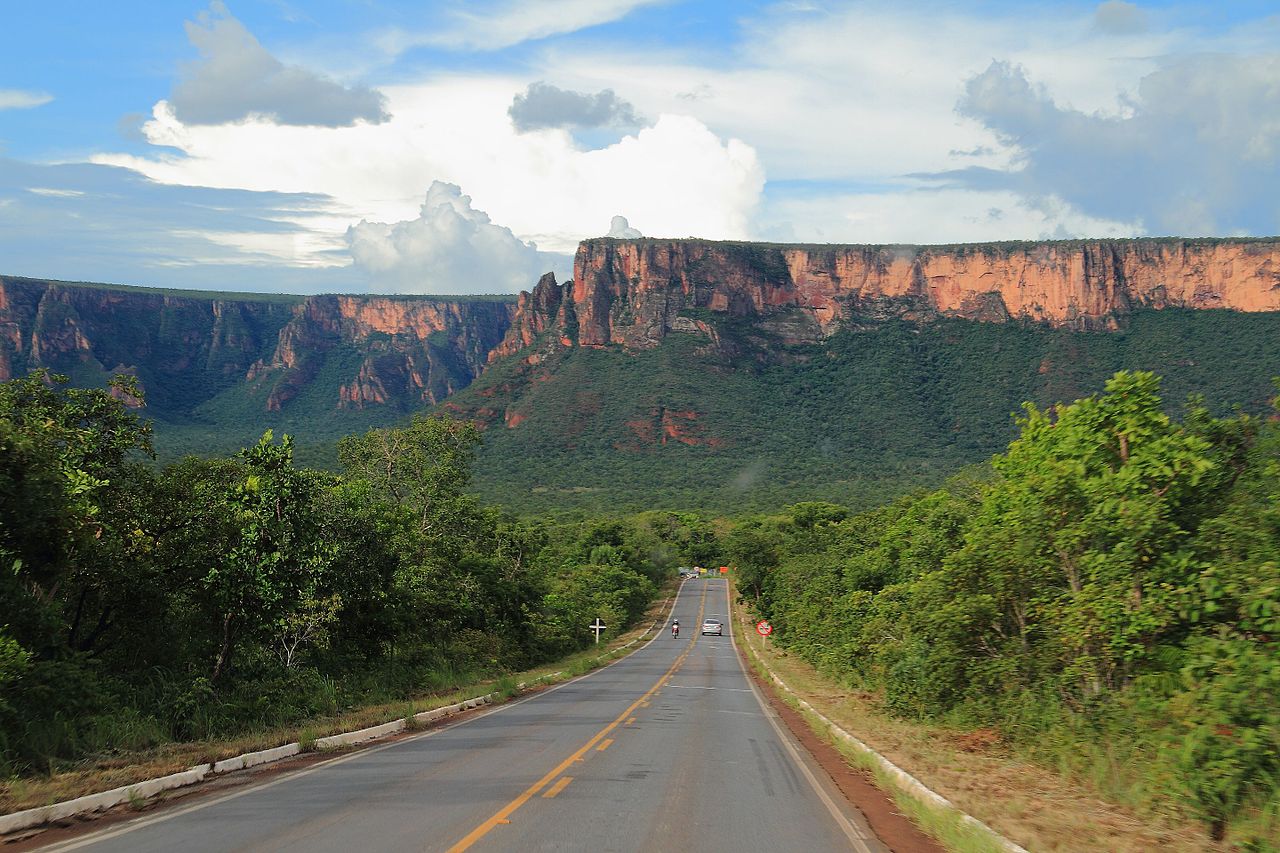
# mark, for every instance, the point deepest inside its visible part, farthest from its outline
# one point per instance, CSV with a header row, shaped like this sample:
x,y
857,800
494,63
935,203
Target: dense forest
x,y
141,605
1105,595
878,409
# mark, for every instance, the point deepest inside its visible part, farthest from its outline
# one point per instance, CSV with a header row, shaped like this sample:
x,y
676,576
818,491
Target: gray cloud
x,y
450,248
1119,17
88,222
620,229
543,105
1198,151
236,77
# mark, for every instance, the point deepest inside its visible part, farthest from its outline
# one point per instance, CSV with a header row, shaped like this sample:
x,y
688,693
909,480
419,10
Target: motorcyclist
x,y
675,629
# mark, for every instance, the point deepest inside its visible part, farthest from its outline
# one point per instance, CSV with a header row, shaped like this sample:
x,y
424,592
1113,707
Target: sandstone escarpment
x,y
634,292
410,351
170,341
350,352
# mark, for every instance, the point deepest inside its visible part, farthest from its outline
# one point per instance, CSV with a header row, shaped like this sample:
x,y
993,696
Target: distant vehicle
x,y
713,626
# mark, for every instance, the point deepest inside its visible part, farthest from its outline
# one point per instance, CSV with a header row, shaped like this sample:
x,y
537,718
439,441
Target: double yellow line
x,y
504,814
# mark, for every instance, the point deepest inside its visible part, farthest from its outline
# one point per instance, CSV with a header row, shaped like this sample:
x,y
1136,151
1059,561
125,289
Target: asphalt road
x,y
667,749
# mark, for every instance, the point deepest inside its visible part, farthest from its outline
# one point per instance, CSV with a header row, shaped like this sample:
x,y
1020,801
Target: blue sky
x,y
466,146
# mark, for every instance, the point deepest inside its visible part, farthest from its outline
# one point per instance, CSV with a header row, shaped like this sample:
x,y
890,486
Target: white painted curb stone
x,y
909,783
149,788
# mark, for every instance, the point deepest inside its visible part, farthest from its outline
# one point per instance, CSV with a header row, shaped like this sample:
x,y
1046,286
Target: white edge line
x,y
141,823
856,834
910,784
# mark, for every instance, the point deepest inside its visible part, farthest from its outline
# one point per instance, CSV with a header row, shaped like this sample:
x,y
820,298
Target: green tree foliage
x,y
1112,577
213,595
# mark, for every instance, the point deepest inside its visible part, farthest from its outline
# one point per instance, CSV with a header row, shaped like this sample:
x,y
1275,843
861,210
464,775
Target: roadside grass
x,y
132,766
1028,804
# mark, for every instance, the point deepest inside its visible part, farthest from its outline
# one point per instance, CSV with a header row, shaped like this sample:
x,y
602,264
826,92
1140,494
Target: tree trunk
x,y
224,652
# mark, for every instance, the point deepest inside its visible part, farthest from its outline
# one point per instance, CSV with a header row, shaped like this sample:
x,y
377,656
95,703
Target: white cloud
x,y
620,229
54,193
1198,153
236,78
930,215
449,248
866,92
18,99
493,26
675,178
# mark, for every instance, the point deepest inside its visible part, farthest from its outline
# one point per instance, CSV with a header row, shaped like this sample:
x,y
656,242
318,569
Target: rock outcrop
x,y
634,292
173,341
413,351
186,348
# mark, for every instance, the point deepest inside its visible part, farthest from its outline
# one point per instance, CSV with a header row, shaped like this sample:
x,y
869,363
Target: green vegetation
x,y
996,247
1106,595
872,413
218,596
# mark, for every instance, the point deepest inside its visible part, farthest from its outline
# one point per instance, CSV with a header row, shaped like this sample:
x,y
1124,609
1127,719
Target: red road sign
x,y
724,570
764,628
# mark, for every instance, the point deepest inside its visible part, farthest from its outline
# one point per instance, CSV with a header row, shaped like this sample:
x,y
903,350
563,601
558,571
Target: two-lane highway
x,y
668,749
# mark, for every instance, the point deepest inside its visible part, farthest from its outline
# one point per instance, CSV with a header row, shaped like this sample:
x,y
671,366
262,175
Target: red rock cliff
x,y
633,292
186,347
413,350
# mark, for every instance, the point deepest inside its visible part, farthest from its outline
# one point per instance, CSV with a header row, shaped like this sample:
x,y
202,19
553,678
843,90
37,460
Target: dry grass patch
x,y
980,775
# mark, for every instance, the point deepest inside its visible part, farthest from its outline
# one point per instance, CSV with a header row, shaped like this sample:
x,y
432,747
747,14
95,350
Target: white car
x,y
713,626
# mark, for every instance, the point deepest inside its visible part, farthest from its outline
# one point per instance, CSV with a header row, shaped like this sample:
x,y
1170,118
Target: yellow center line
x,y
604,744
558,787
629,721
510,808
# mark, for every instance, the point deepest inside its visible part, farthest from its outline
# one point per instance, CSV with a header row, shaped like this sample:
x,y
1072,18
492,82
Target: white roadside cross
x,y
598,626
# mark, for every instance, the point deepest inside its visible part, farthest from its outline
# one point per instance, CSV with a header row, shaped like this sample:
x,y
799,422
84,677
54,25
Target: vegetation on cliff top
x,y
995,247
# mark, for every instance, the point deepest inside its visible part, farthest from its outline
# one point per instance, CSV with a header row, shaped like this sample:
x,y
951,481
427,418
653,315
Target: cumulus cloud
x,y
1197,152
620,229
543,105
18,99
1118,16
236,78
449,248
676,176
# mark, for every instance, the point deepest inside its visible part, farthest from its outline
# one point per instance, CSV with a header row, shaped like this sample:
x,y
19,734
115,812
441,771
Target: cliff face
x,y
536,311
349,352
173,342
410,351
634,292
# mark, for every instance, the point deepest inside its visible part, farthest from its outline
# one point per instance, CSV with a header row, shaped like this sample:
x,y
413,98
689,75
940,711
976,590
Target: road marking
x,y
554,789
291,776
604,744
629,721
862,840
510,808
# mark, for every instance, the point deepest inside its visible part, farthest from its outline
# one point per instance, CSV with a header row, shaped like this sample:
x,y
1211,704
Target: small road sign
x,y
598,626
764,628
